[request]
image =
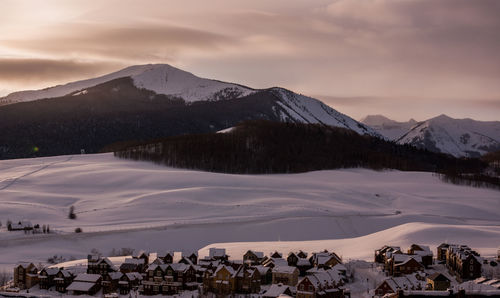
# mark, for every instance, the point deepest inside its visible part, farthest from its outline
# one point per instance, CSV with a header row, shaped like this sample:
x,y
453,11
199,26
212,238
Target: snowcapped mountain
x,y
388,128
159,78
458,137
146,102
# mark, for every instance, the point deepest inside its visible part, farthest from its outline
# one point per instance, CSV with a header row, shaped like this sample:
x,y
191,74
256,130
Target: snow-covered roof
x,y
115,275
258,254
134,275
262,269
285,269
80,286
25,265
85,277
407,282
277,261
51,270
403,258
303,262
134,261
228,268
276,290
179,267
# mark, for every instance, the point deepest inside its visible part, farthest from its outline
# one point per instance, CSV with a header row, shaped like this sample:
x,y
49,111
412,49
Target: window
x,y
471,268
301,287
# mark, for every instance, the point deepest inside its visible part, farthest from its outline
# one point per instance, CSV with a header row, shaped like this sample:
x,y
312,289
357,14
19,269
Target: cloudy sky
x,y
400,58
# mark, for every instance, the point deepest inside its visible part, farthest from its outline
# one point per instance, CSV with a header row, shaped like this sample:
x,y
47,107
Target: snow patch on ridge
x,y
306,109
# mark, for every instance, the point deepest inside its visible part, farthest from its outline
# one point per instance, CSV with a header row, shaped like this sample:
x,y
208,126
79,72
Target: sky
x,y
400,58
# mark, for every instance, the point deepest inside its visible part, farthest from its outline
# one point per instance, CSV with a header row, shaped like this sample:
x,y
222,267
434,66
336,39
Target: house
x,y
424,252
276,255
62,280
286,275
253,257
321,283
154,280
441,251
266,274
221,281
129,281
381,254
25,275
110,281
247,280
276,290
132,265
168,257
217,254
408,266
463,262
99,265
325,259
169,279
301,254
23,225
303,264
292,259
141,254
393,284
46,277
438,282
85,283
192,256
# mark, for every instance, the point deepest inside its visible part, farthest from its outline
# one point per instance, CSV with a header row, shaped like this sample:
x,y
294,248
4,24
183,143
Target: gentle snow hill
x,y
122,203
458,137
160,78
388,128
362,248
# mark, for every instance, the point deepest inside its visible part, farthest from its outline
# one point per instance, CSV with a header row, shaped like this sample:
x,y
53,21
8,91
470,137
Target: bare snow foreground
x,y
121,203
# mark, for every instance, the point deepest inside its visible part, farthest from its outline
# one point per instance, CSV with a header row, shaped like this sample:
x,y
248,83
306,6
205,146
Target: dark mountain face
x,y
118,111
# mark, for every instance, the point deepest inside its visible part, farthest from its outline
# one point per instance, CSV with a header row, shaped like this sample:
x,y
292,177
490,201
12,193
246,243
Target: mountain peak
x,y
159,78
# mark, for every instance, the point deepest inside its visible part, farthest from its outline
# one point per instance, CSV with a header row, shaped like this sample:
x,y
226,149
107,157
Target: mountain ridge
x,y
458,137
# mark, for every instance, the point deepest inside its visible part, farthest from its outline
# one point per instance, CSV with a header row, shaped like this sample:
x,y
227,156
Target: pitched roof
x,y
276,290
438,276
262,269
285,269
258,254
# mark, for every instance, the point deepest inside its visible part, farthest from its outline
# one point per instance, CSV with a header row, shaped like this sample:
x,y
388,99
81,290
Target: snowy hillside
x,y
122,203
458,137
305,109
160,78
388,128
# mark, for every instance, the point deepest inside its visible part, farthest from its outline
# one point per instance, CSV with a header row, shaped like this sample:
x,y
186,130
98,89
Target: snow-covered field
x,y
121,203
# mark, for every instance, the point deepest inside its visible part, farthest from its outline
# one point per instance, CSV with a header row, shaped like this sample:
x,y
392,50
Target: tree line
x,y
265,147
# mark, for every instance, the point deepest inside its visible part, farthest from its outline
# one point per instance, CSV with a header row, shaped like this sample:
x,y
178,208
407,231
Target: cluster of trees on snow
x,y
259,147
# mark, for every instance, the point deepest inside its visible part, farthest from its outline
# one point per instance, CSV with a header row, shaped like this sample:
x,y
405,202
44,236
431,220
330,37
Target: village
x,y
453,271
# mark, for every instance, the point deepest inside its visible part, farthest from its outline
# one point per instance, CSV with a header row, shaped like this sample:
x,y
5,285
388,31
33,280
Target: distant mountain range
x,y
458,137
145,102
